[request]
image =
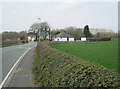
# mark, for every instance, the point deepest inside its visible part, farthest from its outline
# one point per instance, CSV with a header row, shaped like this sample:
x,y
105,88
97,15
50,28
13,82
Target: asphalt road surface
x,y
23,74
12,53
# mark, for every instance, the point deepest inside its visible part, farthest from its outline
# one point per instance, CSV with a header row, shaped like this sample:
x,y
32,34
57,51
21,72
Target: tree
x,y
36,27
87,32
75,32
54,32
22,38
44,25
98,35
106,34
45,28
50,38
13,35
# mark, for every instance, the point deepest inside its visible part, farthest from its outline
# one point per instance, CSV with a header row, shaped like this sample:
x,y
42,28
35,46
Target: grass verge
x,y
12,44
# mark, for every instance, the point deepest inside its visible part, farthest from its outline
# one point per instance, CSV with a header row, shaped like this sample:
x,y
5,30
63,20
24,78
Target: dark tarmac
x,y
23,74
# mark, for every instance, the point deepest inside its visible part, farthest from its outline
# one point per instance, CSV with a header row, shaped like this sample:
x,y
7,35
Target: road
x,y
12,53
23,74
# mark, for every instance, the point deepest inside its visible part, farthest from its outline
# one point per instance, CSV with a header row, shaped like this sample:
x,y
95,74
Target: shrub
x,y
105,39
23,41
55,68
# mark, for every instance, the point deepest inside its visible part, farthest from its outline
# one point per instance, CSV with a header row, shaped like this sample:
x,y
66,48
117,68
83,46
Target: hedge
x,y
54,68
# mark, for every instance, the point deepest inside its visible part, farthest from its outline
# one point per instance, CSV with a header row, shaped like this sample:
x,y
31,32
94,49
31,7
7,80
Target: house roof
x,y
63,34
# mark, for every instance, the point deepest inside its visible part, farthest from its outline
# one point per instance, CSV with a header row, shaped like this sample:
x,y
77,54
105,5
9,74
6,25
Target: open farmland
x,y
104,53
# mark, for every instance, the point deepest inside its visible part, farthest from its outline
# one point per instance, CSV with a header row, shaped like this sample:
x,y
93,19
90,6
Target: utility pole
x,y
39,29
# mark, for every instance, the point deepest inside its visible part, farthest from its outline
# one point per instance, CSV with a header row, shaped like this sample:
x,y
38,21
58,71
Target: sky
x,y
18,16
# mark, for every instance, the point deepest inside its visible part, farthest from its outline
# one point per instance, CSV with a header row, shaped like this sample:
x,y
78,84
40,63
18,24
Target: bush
x,y
41,39
23,41
54,68
92,39
105,39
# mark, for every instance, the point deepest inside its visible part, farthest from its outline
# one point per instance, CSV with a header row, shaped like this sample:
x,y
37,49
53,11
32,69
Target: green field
x,y
104,53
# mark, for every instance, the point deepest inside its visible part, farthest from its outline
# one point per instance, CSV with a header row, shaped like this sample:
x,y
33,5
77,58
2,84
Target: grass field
x,y
104,53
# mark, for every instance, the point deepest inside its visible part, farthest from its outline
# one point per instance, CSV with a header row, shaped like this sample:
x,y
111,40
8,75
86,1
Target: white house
x,y
83,38
63,37
31,37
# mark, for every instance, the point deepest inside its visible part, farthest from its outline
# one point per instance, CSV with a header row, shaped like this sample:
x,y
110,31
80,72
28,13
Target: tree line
x,y
77,33
22,35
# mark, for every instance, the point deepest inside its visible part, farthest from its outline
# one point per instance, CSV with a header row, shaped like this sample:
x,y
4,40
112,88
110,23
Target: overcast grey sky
x,y
18,16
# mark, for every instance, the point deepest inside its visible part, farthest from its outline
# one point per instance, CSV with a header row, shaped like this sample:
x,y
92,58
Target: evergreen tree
x,y
87,32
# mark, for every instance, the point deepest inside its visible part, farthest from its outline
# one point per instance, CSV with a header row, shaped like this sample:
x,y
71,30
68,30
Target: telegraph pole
x,y
39,29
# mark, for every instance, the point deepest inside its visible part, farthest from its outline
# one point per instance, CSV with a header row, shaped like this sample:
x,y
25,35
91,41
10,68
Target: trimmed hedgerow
x,y
54,68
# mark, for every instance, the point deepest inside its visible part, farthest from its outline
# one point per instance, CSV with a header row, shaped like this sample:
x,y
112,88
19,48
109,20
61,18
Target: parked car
x,y
92,39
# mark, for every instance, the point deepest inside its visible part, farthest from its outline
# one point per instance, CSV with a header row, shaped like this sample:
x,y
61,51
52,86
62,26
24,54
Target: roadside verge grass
x,y
12,44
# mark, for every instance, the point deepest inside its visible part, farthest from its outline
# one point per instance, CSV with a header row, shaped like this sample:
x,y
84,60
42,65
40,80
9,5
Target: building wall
x,y
29,38
63,39
33,39
71,39
83,39
60,39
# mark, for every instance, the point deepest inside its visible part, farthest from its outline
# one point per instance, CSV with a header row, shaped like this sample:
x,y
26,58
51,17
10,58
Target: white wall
x,y
60,39
63,39
71,39
33,39
83,38
29,38
56,39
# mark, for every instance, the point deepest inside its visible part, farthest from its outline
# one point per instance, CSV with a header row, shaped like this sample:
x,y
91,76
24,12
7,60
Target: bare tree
x,y
45,28
106,34
76,32
36,27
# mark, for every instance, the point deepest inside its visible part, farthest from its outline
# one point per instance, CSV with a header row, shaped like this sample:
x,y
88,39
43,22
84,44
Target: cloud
x,y
67,4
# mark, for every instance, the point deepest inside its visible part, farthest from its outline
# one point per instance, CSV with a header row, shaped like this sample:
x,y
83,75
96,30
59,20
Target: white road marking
x,y
9,48
1,85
